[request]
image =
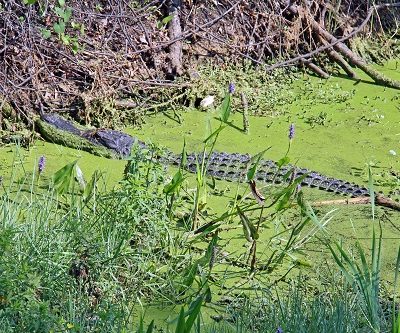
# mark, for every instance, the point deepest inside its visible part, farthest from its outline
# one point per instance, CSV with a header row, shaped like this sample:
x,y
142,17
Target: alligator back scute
x,y
221,165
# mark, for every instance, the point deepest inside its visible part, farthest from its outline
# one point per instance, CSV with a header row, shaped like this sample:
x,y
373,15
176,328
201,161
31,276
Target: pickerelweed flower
x,y
279,330
231,88
291,131
41,163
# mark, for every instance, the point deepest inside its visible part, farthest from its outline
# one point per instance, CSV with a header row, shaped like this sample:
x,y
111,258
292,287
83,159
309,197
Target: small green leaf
x,y
67,14
30,2
284,201
167,19
59,28
161,24
91,186
283,161
255,160
46,33
249,230
59,11
65,39
61,3
75,47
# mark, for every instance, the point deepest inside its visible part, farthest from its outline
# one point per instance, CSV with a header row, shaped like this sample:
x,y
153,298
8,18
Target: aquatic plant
x,y
41,164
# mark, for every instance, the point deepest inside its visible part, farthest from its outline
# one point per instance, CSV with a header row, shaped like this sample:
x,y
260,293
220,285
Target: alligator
x,y
220,165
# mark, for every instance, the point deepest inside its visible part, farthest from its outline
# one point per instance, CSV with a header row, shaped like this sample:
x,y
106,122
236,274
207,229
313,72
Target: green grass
x,y
75,257
71,262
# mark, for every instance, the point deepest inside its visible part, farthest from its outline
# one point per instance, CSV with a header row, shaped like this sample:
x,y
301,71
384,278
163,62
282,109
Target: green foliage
x,y
64,177
363,276
249,230
255,160
162,24
60,28
74,258
225,108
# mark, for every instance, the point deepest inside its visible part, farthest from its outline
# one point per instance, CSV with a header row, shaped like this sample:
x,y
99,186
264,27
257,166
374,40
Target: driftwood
x,y
315,68
380,200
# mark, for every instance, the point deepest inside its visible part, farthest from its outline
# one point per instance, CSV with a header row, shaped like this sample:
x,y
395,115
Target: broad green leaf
x,y
59,11
283,202
190,274
181,325
225,110
193,312
61,3
173,186
62,178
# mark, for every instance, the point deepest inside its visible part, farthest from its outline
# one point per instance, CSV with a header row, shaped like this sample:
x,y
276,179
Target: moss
x,y
52,134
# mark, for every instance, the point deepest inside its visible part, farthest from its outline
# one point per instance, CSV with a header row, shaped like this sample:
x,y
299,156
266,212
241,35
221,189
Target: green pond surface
x,y
341,127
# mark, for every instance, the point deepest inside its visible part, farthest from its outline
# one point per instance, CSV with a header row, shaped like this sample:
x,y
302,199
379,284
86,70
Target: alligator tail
x,y
233,167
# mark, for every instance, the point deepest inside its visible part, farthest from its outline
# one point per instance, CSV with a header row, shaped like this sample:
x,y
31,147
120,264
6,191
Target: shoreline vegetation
x,y
95,259
93,244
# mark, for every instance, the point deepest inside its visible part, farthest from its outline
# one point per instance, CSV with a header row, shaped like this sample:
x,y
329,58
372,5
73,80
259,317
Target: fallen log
x,y
380,200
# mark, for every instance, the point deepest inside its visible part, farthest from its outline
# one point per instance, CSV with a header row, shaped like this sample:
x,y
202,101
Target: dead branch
x,y
175,30
379,201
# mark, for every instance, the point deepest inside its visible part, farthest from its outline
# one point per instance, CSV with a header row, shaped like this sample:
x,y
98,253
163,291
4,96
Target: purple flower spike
x,y
291,131
41,163
279,330
231,88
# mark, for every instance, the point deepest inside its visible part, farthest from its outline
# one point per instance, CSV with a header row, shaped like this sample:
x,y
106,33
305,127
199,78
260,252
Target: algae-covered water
x,y
341,127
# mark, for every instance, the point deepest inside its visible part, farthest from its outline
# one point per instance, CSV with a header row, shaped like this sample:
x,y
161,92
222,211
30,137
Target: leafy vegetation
x,y
76,257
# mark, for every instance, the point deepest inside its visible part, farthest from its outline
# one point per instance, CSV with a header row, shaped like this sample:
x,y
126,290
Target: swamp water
x,y
341,127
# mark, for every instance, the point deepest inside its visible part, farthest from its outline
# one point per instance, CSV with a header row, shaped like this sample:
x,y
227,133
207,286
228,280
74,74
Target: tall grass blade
x,y
371,190
396,318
